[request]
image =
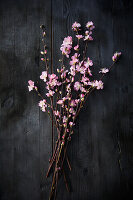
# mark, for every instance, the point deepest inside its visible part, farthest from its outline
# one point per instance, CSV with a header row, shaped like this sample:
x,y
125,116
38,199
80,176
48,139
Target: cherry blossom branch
x,y
89,92
44,47
67,187
67,93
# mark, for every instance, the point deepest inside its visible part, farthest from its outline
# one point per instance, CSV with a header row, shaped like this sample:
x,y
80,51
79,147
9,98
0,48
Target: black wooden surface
x,y
101,151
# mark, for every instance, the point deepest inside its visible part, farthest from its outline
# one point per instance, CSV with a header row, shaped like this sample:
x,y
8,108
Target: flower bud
x,y
44,34
42,52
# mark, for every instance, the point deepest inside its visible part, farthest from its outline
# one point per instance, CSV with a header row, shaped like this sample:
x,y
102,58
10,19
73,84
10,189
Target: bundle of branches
x,y
67,91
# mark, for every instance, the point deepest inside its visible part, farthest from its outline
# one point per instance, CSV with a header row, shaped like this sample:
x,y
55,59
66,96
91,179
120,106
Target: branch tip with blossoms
x,y
69,89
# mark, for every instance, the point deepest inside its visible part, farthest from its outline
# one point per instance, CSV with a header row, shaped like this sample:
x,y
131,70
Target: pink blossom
x,y
76,47
116,56
31,85
86,32
44,76
89,71
88,37
52,83
60,102
52,76
76,26
42,59
52,80
65,50
68,87
89,62
67,80
82,70
72,70
77,101
73,103
66,46
67,41
72,111
79,36
65,119
58,83
50,93
82,96
42,104
78,67
82,89
97,84
85,80
64,98
64,73
77,85
93,83
57,113
90,25
74,59
71,124
104,70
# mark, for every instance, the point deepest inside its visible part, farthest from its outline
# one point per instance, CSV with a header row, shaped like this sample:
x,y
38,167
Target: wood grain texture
x,y
101,150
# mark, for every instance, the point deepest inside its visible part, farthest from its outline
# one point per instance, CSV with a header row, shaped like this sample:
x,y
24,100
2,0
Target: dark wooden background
x,y
101,151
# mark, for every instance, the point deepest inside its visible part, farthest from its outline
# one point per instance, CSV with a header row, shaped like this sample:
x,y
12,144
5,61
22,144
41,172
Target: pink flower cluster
x,y
51,84
42,104
71,86
90,25
76,26
67,91
57,113
66,46
97,84
88,33
31,85
44,76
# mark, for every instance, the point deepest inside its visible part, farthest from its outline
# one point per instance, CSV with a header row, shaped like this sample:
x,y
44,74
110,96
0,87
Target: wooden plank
x,y
25,138
44,121
123,93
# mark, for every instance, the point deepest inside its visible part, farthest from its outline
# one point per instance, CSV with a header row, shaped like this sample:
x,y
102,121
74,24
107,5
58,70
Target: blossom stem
x,y
68,162
53,158
109,69
67,187
55,170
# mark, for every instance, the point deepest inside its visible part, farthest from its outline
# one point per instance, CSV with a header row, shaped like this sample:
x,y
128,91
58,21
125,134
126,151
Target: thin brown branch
x,y
65,180
68,162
